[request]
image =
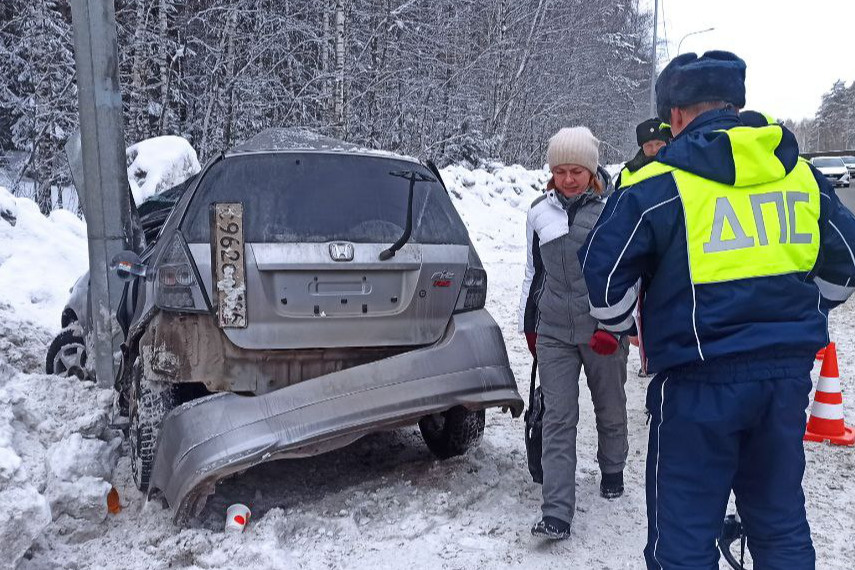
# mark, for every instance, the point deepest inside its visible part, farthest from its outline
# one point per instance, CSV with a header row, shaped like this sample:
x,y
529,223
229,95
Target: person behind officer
x,y
561,333
741,247
651,135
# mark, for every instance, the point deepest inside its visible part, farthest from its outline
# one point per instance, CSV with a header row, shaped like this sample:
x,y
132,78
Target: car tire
x,y
148,405
66,355
453,432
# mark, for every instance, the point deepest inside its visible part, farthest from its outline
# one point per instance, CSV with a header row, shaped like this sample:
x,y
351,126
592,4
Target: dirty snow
x,y
158,164
381,503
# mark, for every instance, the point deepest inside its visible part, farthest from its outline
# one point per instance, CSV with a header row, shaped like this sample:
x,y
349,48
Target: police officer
x,y
651,135
741,247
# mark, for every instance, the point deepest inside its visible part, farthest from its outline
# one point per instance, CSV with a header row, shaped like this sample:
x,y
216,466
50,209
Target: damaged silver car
x,y
303,293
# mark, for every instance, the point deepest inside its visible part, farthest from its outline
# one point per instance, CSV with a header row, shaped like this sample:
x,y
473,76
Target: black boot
x,y
611,485
551,528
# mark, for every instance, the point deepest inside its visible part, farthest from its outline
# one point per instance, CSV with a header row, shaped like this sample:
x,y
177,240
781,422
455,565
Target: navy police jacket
x,y
738,246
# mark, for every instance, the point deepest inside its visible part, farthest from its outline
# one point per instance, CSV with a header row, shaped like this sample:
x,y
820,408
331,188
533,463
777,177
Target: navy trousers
x,y
723,429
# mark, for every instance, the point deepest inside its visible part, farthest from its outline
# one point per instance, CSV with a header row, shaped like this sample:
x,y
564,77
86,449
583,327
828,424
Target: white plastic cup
x,y
237,517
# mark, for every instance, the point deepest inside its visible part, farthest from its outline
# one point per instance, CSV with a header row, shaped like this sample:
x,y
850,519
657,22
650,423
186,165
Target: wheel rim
x,y
70,361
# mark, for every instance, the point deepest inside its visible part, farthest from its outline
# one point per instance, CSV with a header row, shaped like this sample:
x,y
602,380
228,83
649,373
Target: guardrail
x,y
829,153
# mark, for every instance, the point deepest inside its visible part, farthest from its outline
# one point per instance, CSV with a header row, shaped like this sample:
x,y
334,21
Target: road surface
x,y
847,196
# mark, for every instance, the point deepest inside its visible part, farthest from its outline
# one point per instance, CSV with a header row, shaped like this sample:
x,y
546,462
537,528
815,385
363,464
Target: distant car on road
x,y
833,168
849,161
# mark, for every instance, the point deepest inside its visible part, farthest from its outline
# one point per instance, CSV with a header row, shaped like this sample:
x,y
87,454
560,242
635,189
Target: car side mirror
x,y
128,266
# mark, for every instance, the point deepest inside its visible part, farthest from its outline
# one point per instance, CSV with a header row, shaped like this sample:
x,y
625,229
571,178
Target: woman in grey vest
x,y
554,315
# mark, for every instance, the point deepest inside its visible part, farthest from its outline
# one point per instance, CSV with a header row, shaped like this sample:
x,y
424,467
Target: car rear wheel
x,y
66,355
453,432
148,404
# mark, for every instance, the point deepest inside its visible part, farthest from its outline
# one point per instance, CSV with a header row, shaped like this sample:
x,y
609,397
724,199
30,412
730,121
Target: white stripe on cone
x,y
829,385
827,411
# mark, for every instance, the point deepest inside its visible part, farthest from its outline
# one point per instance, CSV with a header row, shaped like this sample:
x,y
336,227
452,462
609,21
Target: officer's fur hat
x,y
689,79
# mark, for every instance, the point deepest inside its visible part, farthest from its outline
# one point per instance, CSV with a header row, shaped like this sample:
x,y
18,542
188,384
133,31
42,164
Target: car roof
x,y
300,139
832,157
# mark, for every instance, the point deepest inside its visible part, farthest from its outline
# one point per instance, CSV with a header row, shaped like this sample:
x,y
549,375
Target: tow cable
x,y
731,531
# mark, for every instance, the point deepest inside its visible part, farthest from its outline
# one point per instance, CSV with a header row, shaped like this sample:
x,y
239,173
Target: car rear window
x,y
317,197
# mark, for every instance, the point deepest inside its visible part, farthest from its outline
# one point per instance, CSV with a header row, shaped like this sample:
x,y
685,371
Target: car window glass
x,y
317,197
827,162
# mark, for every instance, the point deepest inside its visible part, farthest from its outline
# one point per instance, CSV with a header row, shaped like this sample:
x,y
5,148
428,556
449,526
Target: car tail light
x,y
473,294
177,287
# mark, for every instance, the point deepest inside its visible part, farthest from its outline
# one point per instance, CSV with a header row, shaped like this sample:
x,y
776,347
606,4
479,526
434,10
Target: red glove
x,y
531,340
603,342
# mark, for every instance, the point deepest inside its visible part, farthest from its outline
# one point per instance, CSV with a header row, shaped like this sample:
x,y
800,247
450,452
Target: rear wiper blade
x,y
413,177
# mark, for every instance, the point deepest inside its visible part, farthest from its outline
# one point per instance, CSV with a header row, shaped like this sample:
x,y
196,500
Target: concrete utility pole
x,y
653,59
105,179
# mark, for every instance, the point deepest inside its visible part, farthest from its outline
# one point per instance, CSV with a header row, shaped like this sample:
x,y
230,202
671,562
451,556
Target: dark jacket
x,y
637,162
641,239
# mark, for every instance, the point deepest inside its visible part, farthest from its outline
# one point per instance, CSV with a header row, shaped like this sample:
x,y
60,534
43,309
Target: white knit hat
x,y
574,145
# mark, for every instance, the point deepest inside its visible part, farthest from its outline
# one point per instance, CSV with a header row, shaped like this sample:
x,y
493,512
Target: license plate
x,y
229,267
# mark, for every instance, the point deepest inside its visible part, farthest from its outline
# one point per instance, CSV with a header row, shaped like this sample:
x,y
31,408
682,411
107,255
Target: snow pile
x,y
40,259
56,458
8,207
158,164
513,185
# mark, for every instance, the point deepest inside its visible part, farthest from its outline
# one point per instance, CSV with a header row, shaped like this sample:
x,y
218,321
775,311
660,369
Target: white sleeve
x,y
529,271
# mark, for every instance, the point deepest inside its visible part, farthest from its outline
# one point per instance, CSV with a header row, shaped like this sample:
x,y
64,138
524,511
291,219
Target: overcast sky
x,y
795,51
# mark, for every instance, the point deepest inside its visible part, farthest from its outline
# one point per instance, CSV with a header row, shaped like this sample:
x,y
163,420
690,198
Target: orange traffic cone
x,y
820,354
826,414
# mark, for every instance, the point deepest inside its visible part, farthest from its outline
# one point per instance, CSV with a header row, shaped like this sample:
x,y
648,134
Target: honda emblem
x,y
341,251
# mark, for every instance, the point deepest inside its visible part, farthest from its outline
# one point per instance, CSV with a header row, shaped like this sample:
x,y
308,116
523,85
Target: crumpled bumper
x,y
210,438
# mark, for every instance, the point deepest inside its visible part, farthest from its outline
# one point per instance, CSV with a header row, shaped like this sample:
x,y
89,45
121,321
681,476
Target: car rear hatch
x,y
306,230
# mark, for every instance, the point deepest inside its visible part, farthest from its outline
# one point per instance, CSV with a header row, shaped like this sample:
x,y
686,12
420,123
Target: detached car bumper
x,y
211,438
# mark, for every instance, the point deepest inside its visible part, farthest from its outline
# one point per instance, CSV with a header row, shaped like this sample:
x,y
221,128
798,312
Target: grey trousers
x,y
559,365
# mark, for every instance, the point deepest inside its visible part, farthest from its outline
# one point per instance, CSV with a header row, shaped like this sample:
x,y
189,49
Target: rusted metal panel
x,y
191,348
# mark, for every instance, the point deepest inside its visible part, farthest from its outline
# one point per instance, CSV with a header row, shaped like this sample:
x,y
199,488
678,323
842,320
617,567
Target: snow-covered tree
x,y
468,80
39,98
833,125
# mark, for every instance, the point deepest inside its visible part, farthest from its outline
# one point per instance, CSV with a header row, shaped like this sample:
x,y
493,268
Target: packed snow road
x,y
381,503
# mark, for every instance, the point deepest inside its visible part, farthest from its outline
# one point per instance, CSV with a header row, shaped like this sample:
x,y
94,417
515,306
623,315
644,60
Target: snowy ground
x,y
382,503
